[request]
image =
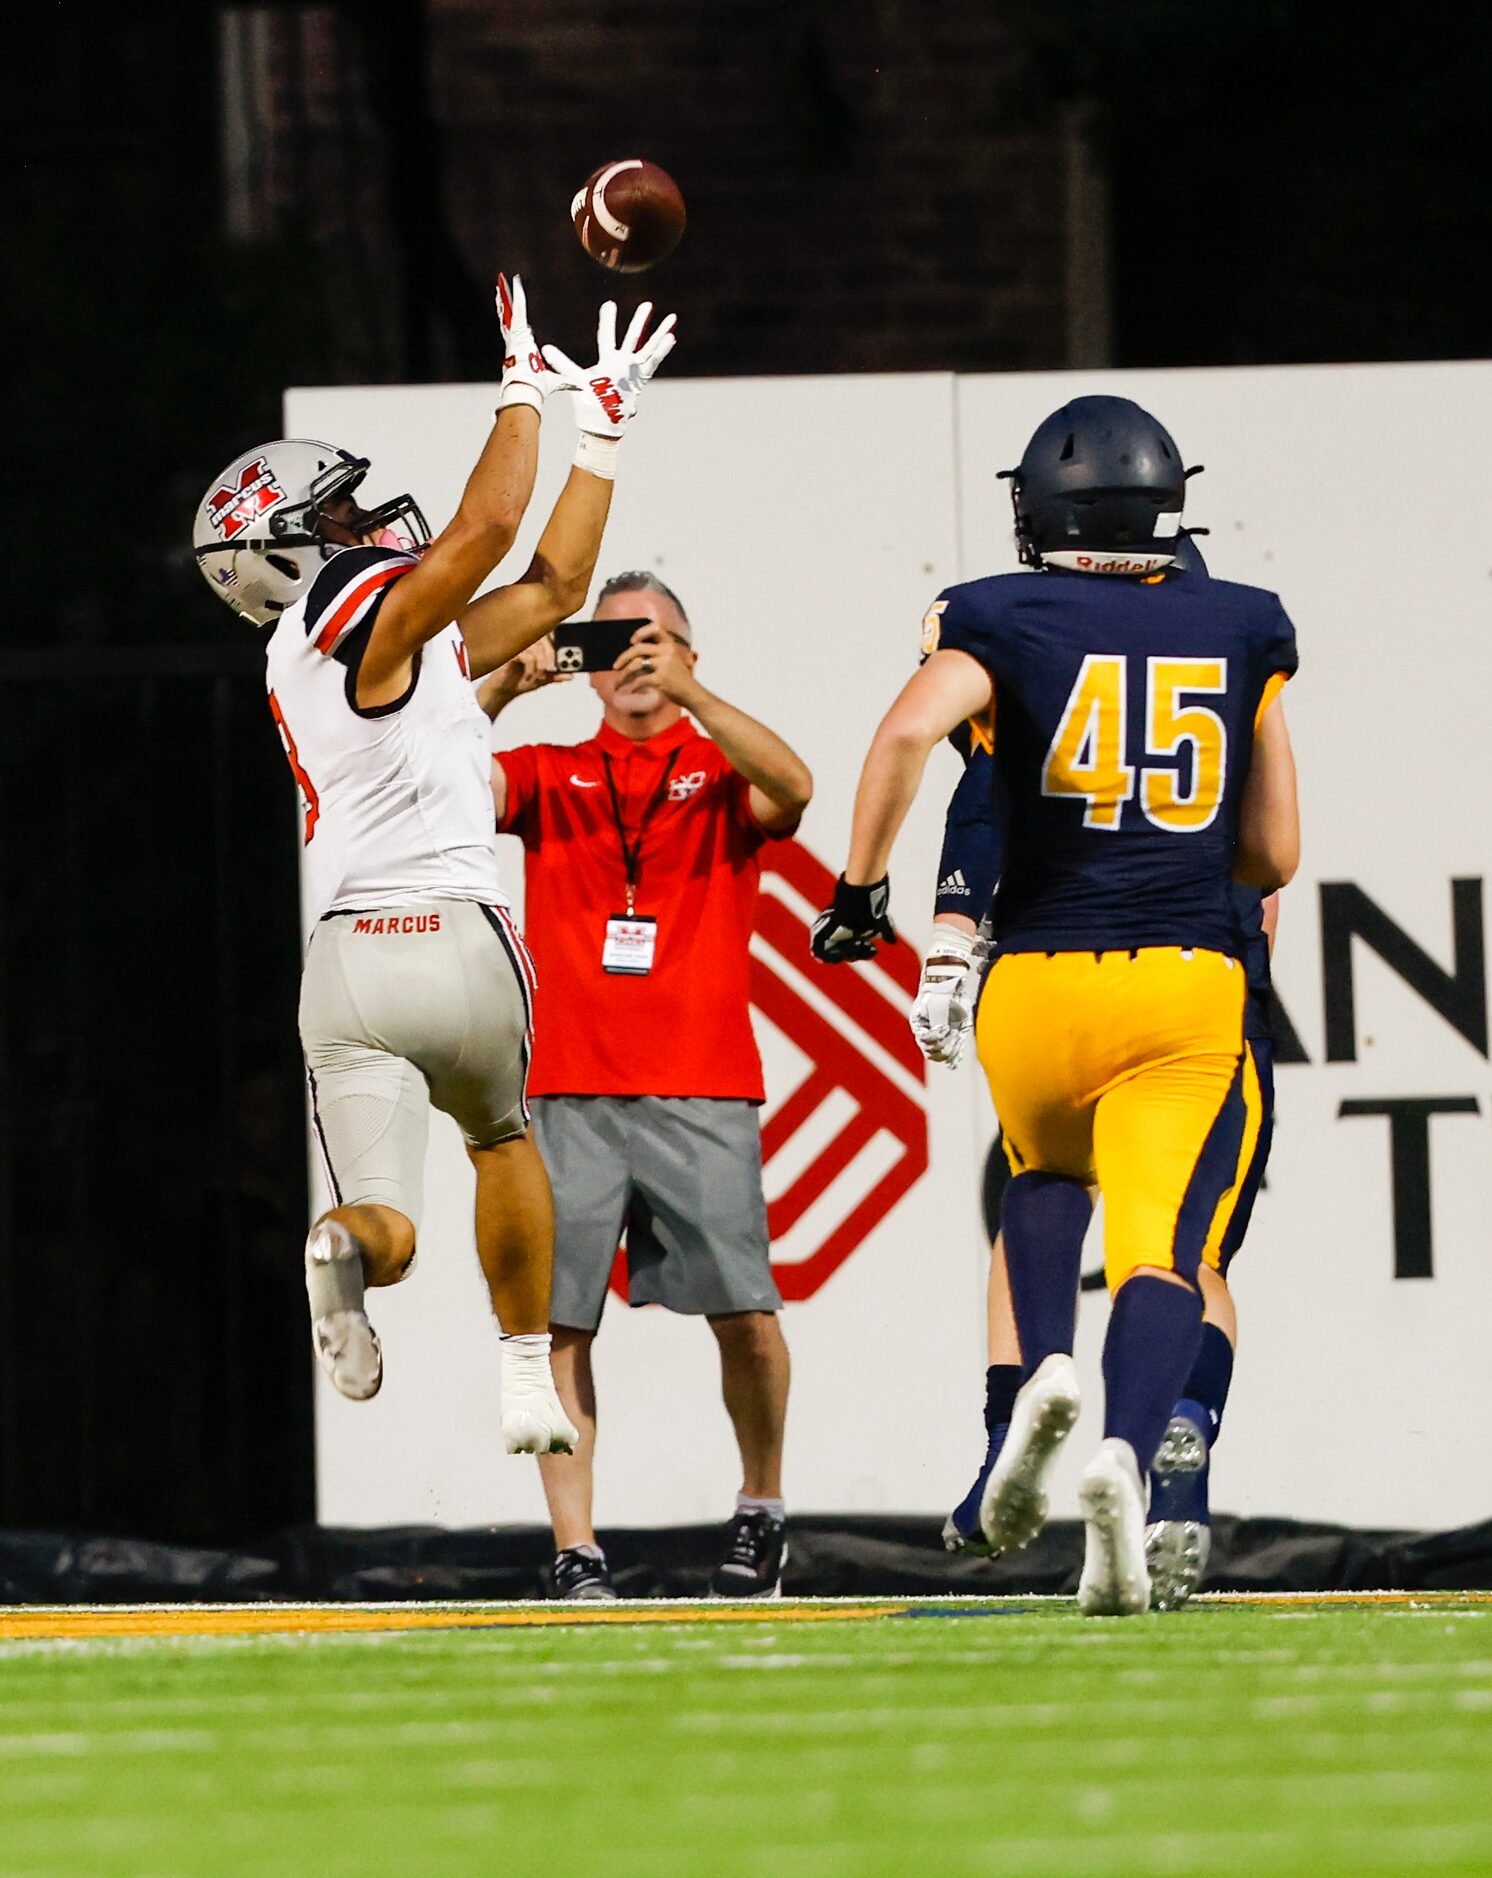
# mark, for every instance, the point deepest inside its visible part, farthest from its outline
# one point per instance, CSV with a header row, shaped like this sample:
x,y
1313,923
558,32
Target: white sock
x,y
526,1359
749,1503
334,1269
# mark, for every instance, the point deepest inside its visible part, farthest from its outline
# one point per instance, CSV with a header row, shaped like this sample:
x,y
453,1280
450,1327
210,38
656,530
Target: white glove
x,y
606,393
943,1014
526,378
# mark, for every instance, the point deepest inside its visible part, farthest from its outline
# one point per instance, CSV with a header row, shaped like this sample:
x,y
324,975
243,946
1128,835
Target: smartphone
x,y
593,645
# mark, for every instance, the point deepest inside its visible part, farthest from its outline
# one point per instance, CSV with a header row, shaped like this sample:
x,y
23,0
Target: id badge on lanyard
x,y
630,944
631,941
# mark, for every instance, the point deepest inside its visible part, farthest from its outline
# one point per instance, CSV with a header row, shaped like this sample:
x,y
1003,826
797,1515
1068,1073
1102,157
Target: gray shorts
x,y
401,1007
682,1175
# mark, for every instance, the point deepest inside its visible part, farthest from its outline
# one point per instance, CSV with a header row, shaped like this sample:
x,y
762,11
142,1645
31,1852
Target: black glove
x,y
858,918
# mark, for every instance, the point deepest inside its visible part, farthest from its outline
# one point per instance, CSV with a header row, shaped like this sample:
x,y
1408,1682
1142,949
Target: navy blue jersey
x,y
969,871
1253,949
1124,716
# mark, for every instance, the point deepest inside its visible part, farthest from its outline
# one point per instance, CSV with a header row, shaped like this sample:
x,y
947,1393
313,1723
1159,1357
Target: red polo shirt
x,y
684,1029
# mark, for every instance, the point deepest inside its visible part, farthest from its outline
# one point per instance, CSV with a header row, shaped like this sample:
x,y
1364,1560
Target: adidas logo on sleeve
x,y
953,885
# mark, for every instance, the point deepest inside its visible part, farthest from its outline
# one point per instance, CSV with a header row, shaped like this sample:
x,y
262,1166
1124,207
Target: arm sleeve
x,y
521,768
973,843
1279,659
1281,654
956,622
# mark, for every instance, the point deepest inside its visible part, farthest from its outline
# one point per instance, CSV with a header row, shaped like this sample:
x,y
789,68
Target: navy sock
x,y
1154,1330
1002,1382
1205,1394
1045,1219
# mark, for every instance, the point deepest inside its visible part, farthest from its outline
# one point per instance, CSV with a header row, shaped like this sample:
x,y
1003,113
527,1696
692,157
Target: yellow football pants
x,y
1128,1069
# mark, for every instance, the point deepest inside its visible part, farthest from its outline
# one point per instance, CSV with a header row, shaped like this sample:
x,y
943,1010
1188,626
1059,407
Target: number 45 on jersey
x,y
1087,755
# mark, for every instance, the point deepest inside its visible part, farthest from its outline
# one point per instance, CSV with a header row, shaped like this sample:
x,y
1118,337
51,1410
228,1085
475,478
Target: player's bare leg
x,y
1004,1338
349,1250
515,1244
1178,1540
1217,1303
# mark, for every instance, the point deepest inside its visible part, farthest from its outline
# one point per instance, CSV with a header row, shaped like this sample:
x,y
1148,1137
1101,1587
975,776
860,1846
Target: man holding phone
x,y
643,854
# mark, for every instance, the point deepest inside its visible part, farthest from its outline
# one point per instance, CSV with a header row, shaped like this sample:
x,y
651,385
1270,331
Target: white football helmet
x,y
257,534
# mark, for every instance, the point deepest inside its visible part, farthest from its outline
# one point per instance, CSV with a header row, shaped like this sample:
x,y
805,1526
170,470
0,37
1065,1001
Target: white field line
x,y
902,1719
1382,1849
943,1771
1108,1854
1129,1714
1446,1603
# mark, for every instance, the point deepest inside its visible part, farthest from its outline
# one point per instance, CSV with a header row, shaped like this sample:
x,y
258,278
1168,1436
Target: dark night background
x,y
208,204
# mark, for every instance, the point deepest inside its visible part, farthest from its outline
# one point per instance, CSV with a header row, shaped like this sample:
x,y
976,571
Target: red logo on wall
x,y
850,1121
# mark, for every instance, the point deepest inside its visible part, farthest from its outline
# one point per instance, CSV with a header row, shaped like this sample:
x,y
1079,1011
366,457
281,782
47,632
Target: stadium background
x,y
217,203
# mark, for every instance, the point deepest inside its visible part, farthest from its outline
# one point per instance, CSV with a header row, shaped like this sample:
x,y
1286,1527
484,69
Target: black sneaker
x,y
755,1553
579,1575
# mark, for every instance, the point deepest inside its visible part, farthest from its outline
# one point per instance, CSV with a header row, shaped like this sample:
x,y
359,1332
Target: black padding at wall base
x,y
830,1557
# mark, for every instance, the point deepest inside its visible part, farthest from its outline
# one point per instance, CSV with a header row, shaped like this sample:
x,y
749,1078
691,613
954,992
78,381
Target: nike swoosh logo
x,y
581,782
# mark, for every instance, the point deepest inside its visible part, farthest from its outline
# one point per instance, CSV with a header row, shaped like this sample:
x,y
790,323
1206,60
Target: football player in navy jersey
x,y
1178,1537
1142,758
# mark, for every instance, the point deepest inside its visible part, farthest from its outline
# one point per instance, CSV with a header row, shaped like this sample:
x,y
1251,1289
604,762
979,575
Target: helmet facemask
x,y
399,523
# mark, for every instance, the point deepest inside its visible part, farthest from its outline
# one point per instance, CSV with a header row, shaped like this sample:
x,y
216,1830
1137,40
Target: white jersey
x,y
397,797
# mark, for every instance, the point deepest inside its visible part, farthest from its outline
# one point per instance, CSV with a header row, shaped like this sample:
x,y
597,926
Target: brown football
x,y
629,215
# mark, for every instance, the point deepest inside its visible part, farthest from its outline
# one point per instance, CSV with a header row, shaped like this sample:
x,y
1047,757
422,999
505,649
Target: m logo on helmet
x,y
230,511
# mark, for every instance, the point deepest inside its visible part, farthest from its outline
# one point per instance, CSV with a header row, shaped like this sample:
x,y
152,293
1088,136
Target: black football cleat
x,y
755,1554
581,1578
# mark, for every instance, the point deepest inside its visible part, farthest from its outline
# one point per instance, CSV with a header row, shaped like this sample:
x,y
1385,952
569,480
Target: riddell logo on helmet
x,y
608,397
1115,563
398,923
231,510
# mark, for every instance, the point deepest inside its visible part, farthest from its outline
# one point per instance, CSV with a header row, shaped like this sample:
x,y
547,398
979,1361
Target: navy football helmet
x,y
1099,490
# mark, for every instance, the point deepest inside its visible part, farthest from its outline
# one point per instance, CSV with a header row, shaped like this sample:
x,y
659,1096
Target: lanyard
x,y
632,849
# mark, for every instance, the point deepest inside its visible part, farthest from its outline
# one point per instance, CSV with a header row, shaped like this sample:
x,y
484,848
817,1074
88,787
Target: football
x,y
629,215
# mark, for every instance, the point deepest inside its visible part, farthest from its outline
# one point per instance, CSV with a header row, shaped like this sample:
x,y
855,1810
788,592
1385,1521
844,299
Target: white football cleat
x,y
1178,1540
1116,1578
1177,1551
534,1421
348,1349
1012,1508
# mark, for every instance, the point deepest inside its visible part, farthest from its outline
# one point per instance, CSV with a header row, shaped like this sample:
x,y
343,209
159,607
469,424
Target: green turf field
x,y
1009,1738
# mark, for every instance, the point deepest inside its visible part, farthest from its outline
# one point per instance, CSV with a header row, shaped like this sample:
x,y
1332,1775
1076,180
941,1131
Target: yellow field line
x,y
71,1621
244,1620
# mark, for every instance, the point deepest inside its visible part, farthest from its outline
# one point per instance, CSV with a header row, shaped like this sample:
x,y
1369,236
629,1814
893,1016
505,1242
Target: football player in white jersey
x,y
417,988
